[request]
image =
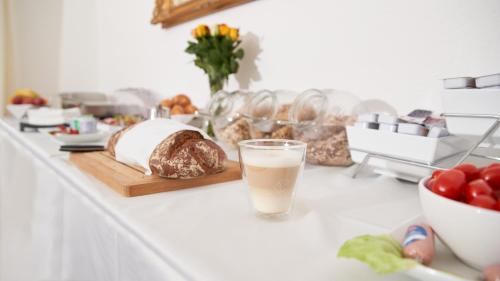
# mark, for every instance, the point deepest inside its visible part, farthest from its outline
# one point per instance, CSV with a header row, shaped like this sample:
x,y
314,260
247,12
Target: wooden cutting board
x,y
131,181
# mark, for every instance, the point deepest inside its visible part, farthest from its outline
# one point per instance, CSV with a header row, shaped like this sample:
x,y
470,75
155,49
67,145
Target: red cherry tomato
x,y
493,165
484,201
477,187
497,205
496,194
430,183
492,176
450,184
436,173
471,171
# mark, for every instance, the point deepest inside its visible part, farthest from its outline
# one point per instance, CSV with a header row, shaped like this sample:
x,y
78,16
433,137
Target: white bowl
x,y
472,233
18,110
183,118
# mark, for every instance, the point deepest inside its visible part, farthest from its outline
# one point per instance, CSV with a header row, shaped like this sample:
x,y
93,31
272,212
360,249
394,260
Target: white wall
x,y
79,55
395,50
3,52
35,44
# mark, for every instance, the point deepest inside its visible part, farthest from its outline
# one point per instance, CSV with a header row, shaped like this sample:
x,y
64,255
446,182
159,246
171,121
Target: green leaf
x,y
382,253
233,66
239,53
217,55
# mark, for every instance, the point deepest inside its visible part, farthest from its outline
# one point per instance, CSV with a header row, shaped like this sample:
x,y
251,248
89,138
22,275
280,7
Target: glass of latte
x,y
271,169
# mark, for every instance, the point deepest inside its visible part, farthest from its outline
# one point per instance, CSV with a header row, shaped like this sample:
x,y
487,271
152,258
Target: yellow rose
x,y
223,29
234,33
201,31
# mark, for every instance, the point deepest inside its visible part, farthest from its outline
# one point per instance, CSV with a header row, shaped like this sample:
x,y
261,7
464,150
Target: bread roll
x,y
181,100
177,109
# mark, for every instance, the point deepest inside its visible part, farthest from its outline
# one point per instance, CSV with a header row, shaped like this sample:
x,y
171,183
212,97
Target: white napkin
x,y
136,145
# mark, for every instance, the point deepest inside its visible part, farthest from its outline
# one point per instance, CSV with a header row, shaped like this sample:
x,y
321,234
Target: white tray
x,y
407,147
410,147
471,101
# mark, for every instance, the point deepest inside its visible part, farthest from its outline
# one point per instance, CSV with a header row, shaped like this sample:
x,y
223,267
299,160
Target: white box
x,y
459,83
471,101
492,80
408,147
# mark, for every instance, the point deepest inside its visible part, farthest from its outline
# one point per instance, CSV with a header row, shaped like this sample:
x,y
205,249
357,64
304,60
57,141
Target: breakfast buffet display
x,y
269,144
325,127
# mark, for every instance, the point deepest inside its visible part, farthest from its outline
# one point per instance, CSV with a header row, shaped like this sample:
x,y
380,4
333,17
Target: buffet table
x,y
58,223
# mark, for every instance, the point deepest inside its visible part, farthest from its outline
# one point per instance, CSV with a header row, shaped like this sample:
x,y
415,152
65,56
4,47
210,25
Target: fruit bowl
x,y
18,110
472,233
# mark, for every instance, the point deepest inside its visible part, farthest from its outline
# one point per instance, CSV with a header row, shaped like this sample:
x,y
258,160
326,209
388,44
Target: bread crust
x,y
186,154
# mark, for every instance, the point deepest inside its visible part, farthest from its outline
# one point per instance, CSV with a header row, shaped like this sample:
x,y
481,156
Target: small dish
x,y
82,138
75,139
445,266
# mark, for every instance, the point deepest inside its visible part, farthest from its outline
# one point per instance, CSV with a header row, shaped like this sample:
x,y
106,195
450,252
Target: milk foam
x,y
272,158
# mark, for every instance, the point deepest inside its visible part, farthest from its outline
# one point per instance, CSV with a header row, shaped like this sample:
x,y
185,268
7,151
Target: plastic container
x,y
325,134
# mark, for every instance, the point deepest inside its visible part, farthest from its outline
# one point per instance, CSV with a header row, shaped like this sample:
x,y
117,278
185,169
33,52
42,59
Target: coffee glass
x,y
272,169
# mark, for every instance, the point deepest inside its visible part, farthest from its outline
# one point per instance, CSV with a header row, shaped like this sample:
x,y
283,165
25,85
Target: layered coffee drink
x,y
271,175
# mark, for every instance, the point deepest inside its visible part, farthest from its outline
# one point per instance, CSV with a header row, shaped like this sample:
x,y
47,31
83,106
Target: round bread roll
x,y
181,100
167,103
190,109
177,109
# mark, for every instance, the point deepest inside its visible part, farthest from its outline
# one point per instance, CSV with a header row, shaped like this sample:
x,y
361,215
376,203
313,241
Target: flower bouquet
x,y
217,53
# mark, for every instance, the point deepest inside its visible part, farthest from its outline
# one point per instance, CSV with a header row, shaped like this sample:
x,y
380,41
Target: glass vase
x,y
216,84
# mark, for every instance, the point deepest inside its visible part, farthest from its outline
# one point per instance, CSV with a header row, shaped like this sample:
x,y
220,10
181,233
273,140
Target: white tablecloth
x,y
57,223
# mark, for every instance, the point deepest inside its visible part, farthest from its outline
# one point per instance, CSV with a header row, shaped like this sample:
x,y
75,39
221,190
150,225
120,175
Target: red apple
x,y
17,100
38,101
27,100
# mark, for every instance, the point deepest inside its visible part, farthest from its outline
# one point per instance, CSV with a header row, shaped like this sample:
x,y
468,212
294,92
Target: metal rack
x,y
434,165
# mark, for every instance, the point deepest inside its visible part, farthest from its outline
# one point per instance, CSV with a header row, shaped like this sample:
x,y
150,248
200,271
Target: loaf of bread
x,y
114,139
179,153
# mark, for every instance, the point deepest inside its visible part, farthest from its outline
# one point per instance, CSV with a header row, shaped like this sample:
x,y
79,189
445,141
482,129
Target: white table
x,y
57,223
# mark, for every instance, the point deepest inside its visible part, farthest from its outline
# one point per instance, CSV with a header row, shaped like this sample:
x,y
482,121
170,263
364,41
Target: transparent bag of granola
x,y
226,110
268,113
325,134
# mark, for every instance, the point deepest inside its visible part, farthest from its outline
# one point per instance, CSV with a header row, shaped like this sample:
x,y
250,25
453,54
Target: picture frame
x,y
172,12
